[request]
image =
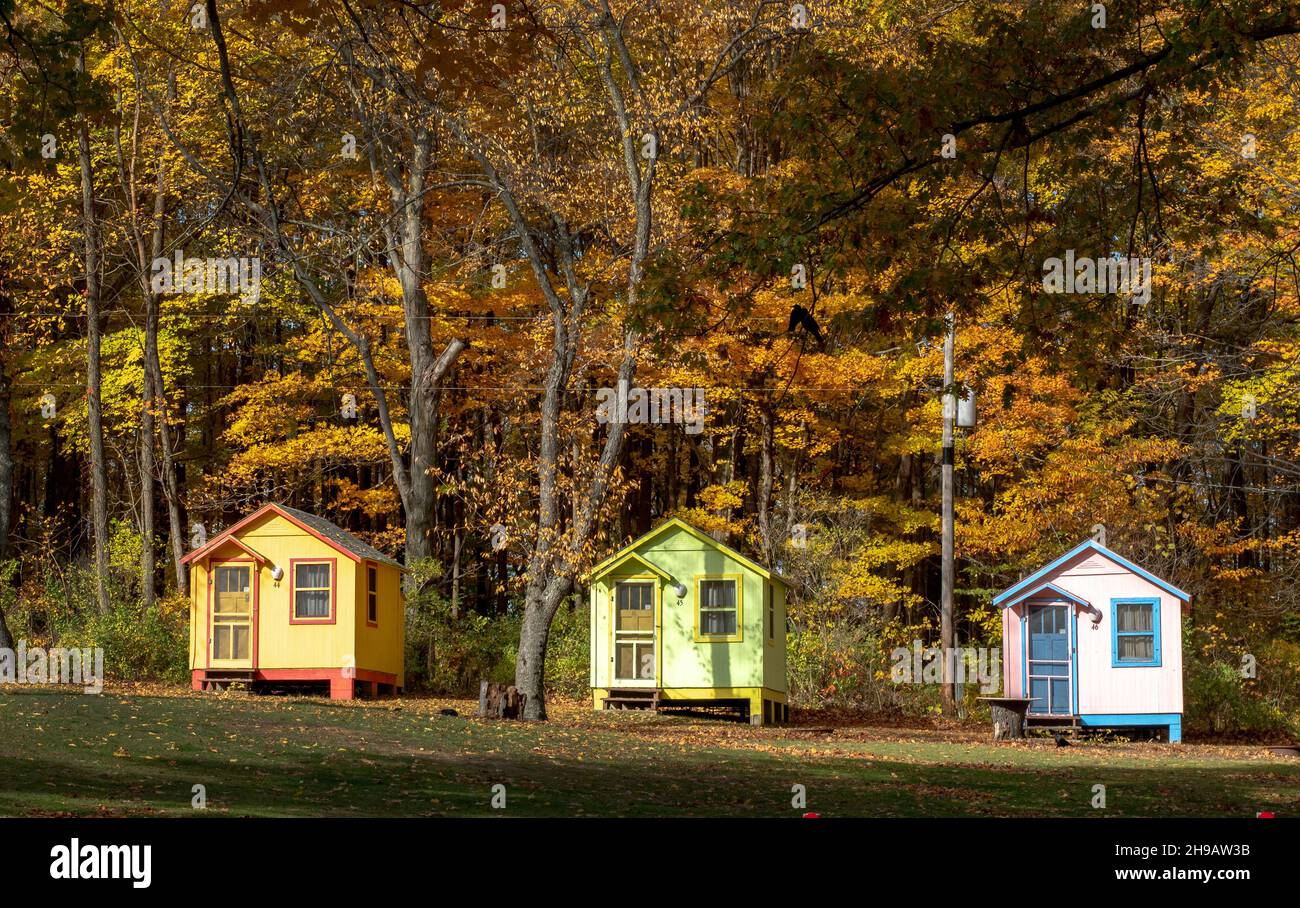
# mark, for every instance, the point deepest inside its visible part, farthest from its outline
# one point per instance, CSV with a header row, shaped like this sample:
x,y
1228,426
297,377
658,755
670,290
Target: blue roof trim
x,y
1056,590
1090,545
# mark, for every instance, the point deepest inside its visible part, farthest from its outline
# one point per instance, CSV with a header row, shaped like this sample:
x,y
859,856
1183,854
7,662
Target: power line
x,y
397,317
362,384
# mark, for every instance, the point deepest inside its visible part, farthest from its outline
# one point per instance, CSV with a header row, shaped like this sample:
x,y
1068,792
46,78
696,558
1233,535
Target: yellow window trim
x,y
739,635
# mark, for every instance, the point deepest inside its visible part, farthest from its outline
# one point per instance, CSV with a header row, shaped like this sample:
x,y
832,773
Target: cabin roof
x,y
1051,589
329,533
1037,578
610,562
633,557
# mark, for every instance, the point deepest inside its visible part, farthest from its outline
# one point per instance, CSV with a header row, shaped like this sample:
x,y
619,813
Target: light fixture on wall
x,y
680,590
277,573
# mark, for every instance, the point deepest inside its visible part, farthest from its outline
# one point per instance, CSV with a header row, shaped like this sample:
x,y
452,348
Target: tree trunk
x,y
422,494
171,483
1008,722
540,605
147,556
551,569
404,171
409,261
154,400
765,480
94,407
149,406
499,701
455,572
6,475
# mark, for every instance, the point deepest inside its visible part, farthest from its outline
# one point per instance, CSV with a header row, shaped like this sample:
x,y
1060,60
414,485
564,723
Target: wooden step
x,y
633,698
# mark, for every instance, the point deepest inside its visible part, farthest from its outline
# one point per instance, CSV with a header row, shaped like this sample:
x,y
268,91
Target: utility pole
x,y
946,570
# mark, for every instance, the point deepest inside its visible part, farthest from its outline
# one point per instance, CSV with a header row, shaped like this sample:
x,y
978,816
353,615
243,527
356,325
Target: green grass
x,y
115,754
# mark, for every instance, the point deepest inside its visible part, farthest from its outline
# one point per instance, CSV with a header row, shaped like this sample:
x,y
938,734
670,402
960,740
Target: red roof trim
x,y
227,535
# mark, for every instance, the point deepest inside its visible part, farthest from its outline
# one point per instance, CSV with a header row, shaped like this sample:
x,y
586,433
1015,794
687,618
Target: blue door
x,y
1049,660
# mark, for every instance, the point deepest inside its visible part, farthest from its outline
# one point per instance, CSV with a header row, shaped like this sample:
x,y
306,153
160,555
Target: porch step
x,y
220,678
633,698
1052,723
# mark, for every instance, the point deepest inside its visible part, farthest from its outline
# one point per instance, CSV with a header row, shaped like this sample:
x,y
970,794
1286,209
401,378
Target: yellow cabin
x,y
284,598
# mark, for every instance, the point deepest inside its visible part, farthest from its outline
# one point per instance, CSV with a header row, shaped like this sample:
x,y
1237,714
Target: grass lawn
x,y
136,751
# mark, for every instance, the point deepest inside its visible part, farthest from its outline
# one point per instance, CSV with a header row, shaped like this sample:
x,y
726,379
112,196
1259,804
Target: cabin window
x,y
372,594
312,590
1136,632
718,615
771,612
634,632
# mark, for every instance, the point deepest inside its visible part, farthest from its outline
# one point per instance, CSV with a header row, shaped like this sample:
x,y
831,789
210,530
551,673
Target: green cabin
x,y
678,618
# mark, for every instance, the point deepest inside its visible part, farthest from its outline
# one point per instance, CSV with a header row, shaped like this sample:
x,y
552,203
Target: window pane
x,y
311,604
239,641
645,654
312,576
1134,616
635,607
232,604
718,622
372,594
1051,620
232,579
636,620
1038,693
624,656
1137,648
221,642
635,596
1060,696
717,594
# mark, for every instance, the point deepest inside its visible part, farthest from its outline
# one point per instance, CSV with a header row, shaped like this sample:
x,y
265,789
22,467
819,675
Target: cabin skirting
x,y
1172,721
766,706
343,682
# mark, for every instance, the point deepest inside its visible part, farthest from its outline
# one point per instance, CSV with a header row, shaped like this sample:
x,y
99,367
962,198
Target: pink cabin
x,y
1093,640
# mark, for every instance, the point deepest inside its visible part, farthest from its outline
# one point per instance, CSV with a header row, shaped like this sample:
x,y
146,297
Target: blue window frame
x,y
1135,632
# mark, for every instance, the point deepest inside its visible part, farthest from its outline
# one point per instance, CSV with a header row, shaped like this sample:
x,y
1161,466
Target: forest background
x,y
471,217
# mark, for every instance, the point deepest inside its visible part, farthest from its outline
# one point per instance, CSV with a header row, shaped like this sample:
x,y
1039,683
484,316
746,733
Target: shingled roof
x,y
328,532
336,533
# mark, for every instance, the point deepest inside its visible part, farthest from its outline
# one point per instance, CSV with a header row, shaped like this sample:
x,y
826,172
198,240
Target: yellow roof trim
x,y
677,522
633,556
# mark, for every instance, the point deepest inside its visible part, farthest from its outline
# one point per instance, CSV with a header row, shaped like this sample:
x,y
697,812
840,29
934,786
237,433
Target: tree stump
x,y
499,701
1008,722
